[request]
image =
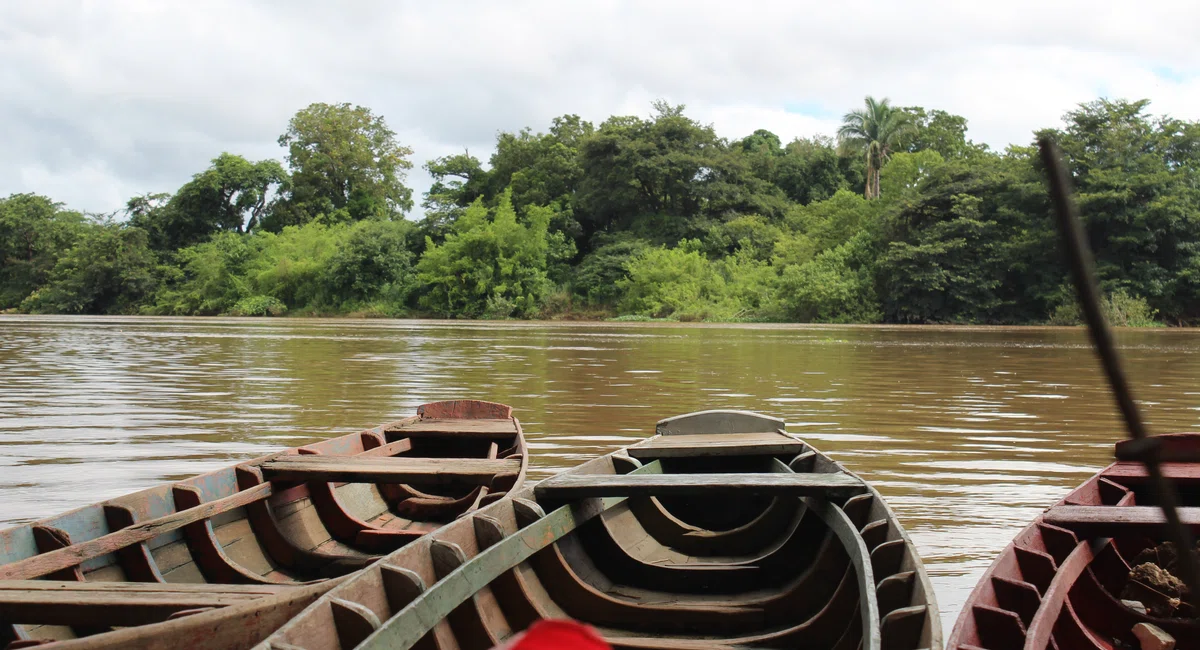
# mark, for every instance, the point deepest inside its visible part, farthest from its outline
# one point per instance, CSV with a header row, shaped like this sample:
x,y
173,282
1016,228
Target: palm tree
x,y
874,131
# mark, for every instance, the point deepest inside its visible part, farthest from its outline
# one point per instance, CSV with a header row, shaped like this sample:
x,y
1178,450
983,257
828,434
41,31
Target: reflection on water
x,y
970,433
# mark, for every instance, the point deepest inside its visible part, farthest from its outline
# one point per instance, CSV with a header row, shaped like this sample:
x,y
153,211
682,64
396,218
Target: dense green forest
x,y
898,218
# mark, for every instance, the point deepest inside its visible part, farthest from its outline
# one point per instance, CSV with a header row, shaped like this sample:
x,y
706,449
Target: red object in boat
x,y
1058,584
558,635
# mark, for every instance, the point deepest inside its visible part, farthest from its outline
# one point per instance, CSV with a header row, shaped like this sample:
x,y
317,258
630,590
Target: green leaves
x,y
493,267
875,131
346,166
110,269
232,195
34,233
836,286
651,216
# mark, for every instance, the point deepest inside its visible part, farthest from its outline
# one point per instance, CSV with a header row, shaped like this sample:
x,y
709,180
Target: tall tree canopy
x,y
668,177
233,195
652,216
1137,181
458,180
346,165
34,232
942,132
875,131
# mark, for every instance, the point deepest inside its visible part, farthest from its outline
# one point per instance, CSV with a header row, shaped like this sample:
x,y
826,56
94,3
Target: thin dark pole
x,y
1083,274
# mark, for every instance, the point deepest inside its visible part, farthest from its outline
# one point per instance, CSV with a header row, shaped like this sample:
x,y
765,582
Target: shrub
x,y
259,306
683,284
371,264
669,282
109,270
494,267
1120,308
596,278
837,286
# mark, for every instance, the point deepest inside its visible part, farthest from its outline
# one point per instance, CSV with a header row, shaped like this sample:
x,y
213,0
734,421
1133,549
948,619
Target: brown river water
x,y
968,432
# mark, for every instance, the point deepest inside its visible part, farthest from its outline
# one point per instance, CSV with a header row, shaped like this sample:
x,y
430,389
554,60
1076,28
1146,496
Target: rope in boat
x,y
1146,449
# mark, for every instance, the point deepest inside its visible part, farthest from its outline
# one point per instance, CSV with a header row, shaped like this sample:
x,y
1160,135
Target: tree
x,y
371,265
683,284
973,243
110,270
346,165
233,195
457,181
34,233
598,274
942,132
666,178
541,168
834,287
874,131
905,172
809,170
664,282
1137,178
488,267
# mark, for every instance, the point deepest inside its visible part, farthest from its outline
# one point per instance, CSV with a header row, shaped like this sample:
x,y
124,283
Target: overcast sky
x,y
103,100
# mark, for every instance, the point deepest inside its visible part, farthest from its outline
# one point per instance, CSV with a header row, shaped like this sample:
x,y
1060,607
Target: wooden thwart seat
x,y
578,486
471,471
46,602
1106,521
1131,472
464,428
718,444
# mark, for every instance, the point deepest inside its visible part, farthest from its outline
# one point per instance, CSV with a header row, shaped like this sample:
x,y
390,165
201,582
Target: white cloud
x,y
103,100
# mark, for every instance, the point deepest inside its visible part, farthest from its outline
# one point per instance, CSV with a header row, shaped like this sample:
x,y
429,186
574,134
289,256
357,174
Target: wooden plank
x,y
717,444
464,409
46,563
413,622
1131,472
62,586
465,428
390,449
472,471
718,421
1107,521
578,486
43,602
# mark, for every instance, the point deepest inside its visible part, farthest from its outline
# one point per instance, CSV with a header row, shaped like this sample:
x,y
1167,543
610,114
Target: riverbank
x,y
384,322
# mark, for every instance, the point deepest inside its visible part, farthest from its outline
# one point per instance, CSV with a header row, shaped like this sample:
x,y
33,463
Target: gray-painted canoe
x,y
721,531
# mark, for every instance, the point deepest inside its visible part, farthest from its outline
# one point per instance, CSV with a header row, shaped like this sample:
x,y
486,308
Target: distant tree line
x,y
900,218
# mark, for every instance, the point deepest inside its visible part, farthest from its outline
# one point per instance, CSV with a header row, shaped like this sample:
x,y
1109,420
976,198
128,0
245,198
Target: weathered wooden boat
x,y
1060,583
194,563
723,530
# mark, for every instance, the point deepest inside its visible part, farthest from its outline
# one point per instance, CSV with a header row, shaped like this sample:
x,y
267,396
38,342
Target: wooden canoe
x,y
721,531
1059,583
191,564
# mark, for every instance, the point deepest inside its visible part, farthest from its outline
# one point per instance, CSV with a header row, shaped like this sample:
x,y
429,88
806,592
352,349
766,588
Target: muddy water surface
x,y
969,433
